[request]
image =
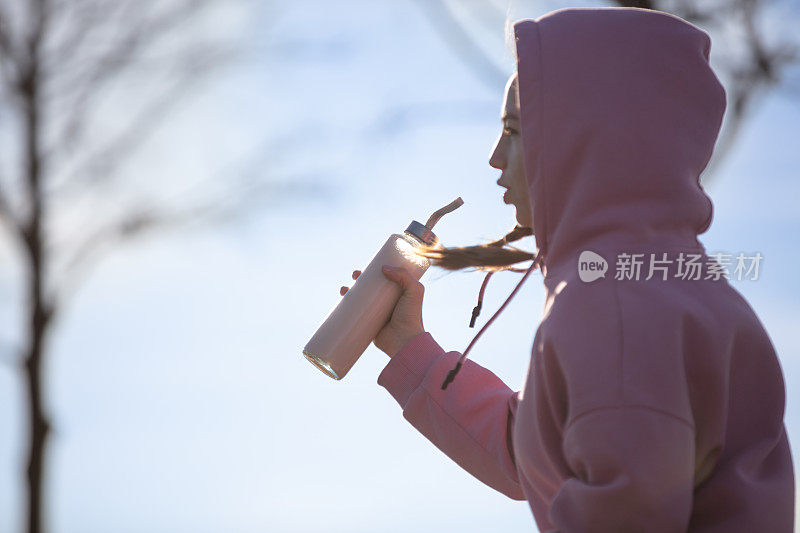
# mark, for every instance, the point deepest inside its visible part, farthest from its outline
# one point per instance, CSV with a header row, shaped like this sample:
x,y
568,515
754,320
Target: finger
x,y
356,273
342,290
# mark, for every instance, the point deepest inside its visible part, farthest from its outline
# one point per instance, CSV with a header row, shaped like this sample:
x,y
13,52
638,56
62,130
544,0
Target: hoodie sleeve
x,y
633,471
471,421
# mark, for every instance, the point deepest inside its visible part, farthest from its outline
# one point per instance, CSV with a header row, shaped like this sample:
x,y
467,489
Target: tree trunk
x,y
39,425
38,307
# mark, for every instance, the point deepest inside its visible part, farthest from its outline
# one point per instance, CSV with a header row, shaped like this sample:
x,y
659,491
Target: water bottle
x,y
367,306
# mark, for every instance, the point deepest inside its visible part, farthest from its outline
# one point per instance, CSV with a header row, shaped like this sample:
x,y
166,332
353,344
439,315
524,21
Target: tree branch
x,y
140,32
86,18
106,160
141,221
7,215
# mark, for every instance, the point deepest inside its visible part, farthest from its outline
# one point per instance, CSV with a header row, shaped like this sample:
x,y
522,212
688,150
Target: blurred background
x,y
185,185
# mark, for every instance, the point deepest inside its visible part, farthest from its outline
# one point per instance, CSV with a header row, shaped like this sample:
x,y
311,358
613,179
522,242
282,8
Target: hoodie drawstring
x,y
476,311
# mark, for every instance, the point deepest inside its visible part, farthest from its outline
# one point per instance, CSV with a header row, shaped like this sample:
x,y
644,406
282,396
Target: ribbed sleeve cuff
x,y
407,368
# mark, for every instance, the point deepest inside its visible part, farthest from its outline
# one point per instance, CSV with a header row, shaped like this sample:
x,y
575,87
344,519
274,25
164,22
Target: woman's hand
x,y
406,320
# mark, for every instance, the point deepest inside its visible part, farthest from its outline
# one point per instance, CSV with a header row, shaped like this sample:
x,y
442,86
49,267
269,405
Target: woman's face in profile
x,y
507,155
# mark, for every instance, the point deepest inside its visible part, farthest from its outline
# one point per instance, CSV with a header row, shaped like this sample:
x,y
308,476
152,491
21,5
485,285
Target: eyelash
x,y
510,131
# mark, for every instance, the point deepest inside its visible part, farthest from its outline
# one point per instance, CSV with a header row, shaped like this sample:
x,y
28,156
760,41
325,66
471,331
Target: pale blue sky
x,y
179,396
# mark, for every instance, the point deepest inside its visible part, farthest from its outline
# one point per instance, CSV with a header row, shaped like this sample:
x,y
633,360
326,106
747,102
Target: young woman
x,y
652,403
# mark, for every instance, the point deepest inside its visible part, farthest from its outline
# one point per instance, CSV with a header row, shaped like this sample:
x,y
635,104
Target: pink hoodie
x,y
649,404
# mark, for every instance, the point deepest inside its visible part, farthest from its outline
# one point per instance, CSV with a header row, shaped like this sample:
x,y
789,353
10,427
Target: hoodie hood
x,y
620,111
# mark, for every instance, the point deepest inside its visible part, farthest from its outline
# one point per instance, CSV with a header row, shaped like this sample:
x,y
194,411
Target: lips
x,y
506,198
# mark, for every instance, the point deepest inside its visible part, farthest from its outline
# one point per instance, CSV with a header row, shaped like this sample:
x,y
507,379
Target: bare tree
x,y
749,66
61,62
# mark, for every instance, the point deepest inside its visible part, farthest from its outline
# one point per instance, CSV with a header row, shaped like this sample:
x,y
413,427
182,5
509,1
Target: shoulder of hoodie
x,y
589,309
586,308
588,325
582,323
579,308
582,344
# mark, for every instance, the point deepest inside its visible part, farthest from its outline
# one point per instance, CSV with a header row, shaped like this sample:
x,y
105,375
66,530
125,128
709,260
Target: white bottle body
x,y
364,310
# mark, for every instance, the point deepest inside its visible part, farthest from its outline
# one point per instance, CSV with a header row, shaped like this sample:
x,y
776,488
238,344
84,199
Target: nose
x,y
497,159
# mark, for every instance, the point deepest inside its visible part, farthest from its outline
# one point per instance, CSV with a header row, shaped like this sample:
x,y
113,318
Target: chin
x,y
524,223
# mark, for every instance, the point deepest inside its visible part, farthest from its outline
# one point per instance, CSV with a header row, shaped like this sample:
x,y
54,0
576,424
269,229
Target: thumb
x,y
403,278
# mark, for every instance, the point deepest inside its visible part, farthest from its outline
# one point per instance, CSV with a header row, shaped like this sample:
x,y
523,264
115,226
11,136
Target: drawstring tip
x,y
475,312
451,375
